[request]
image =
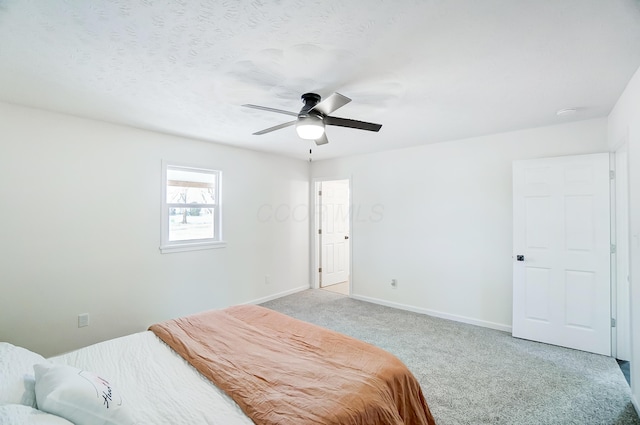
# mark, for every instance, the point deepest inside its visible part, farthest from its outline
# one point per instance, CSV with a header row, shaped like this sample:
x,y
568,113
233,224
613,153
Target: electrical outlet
x,y
394,283
83,320
267,280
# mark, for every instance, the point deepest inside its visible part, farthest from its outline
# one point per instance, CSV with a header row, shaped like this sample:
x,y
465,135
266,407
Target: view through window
x,y
191,206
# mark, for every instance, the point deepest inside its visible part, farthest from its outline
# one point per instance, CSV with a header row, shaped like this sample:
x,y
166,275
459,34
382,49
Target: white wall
x,y
438,218
80,230
624,125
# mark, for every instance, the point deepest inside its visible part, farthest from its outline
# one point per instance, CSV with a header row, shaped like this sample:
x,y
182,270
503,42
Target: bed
x,y
240,365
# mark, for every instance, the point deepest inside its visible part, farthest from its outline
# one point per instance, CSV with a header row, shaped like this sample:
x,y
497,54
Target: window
x,y
190,209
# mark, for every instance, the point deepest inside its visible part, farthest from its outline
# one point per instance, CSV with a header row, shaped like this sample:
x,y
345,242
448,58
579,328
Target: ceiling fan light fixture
x,y
310,127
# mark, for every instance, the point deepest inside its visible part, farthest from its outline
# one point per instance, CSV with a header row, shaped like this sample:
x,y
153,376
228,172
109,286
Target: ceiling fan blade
x,y
331,103
345,122
274,128
322,140
264,108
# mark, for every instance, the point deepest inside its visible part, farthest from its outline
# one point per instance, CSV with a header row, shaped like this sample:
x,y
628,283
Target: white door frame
x,y
315,225
613,207
620,294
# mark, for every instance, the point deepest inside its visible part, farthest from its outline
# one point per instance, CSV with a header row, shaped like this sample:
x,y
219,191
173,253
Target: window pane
x,y
190,187
187,224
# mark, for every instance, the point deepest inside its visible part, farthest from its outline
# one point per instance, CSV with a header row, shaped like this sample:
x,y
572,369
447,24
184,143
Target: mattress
x,y
159,386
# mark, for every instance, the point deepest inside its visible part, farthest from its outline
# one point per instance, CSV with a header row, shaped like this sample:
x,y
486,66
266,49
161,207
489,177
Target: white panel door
x,y
561,241
334,258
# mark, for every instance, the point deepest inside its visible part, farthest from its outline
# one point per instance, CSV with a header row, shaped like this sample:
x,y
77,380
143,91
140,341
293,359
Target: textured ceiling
x,y
429,71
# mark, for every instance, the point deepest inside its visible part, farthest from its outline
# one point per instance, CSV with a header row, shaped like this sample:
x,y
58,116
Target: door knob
x,y
519,257
346,237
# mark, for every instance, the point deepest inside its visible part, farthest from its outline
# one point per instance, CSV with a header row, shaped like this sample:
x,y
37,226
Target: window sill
x,y
195,246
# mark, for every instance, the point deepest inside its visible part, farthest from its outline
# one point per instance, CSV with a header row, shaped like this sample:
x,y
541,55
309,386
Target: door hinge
x,y
613,322
613,249
319,231
319,193
319,269
612,174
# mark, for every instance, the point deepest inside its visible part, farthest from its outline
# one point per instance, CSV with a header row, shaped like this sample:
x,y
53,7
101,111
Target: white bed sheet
x,y
159,386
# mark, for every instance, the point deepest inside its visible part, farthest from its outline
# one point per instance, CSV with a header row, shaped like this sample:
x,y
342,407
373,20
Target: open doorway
x,y
332,232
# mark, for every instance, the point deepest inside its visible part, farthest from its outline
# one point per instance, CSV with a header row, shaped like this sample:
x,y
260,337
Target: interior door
x,y
334,258
561,269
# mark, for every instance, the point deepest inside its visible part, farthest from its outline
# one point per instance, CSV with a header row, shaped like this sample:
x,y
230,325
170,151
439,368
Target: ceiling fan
x,y
314,116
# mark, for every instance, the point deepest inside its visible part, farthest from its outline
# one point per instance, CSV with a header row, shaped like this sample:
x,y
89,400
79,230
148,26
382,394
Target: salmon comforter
x,y
281,370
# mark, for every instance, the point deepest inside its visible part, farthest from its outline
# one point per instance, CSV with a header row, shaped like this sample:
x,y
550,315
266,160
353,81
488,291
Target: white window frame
x,y
167,246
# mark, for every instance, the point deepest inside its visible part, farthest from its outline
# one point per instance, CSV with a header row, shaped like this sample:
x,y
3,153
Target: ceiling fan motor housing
x,y
310,100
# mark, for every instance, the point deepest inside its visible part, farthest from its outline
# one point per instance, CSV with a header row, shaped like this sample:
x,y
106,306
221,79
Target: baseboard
x,y
435,313
634,400
278,295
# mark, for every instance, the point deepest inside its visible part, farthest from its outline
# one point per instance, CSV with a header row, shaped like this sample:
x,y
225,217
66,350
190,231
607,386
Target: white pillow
x,y
18,414
16,375
79,396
